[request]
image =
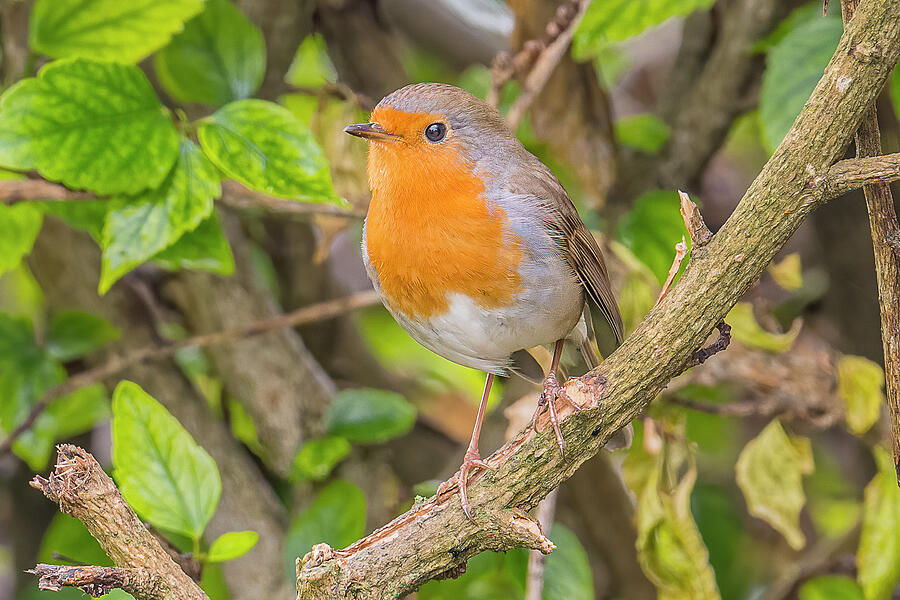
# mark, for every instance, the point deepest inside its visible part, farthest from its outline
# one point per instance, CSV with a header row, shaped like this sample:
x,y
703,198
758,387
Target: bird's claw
x,y
471,461
553,391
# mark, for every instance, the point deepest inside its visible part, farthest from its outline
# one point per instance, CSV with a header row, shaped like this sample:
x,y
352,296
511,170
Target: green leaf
x,y
770,473
266,148
162,473
747,330
567,570
204,249
311,68
68,416
830,587
17,344
317,458
107,29
19,226
91,125
337,517
138,228
859,385
74,333
670,549
232,545
88,216
219,57
799,16
895,90
367,416
639,289
878,557
646,132
652,229
788,273
68,536
793,68
616,20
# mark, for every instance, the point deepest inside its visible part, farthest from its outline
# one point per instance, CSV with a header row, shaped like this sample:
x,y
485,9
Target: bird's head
x,y
427,131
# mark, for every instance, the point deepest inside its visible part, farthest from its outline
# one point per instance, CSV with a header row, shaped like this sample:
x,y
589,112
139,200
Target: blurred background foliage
x,y
194,125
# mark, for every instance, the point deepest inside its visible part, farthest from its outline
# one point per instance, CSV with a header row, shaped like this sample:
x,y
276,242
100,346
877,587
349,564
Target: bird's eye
x,y
436,132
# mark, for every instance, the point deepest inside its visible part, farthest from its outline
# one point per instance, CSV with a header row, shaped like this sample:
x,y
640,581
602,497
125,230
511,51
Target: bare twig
x,y
544,65
506,67
885,229
693,220
240,197
234,195
143,568
117,364
97,581
680,253
717,346
534,584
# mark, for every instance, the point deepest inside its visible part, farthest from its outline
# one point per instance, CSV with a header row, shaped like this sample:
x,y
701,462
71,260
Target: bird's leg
x,y
472,458
552,391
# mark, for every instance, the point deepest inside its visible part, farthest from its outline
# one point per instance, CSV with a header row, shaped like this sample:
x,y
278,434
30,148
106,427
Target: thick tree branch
x,y
82,489
885,233
435,536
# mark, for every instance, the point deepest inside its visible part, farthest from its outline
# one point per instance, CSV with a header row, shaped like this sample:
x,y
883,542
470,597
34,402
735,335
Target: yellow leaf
x,y
788,273
770,473
878,557
746,330
859,385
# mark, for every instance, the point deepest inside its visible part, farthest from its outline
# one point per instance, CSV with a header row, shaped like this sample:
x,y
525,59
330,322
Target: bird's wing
x,y
578,244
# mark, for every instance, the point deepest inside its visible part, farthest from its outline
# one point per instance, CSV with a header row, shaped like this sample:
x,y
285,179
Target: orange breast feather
x,y
429,231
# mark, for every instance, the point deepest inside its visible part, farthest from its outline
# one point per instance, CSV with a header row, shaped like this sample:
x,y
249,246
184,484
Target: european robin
x,y
474,245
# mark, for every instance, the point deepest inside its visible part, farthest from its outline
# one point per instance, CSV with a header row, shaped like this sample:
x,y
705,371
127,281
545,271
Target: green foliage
x,y
770,473
139,227
219,57
107,29
859,385
312,68
204,249
647,133
74,333
878,557
670,549
27,371
317,458
798,17
616,20
337,517
368,416
162,473
747,330
652,229
19,226
793,68
88,216
231,545
639,290
87,124
266,148
830,587
567,570
71,415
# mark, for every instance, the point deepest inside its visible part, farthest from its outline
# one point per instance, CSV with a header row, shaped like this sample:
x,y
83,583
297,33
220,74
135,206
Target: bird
x,y
475,248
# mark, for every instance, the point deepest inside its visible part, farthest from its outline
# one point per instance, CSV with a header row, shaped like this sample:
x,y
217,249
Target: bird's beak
x,y
371,131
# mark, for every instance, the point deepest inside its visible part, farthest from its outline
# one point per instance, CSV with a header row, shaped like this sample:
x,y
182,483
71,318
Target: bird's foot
x,y
553,390
471,461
